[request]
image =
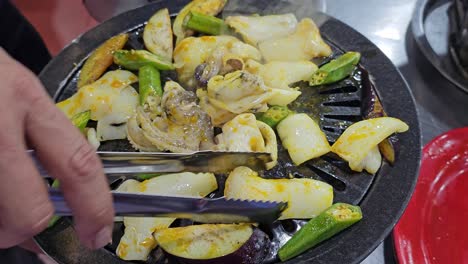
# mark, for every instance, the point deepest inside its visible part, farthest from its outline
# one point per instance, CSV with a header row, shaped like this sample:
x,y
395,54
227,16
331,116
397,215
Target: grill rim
x,y
382,208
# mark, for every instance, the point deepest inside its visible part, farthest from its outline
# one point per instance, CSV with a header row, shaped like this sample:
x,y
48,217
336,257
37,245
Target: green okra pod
x,y
80,120
327,224
135,59
274,115
149,82
205,23
336,70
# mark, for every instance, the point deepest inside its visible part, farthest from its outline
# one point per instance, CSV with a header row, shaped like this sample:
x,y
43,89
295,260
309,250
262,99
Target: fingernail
x,y
103,237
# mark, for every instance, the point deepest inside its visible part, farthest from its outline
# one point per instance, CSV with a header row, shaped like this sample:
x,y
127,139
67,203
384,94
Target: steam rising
x,y
301,8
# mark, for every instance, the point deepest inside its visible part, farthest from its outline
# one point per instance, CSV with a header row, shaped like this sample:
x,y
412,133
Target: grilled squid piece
x,y
110,127
306,198
182,126
245,133
110,94
304,44
371,163
256,29
358,143
302,137
192,52
138,241
279,75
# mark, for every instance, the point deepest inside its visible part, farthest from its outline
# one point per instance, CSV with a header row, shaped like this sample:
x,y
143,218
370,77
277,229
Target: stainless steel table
x,y
441,105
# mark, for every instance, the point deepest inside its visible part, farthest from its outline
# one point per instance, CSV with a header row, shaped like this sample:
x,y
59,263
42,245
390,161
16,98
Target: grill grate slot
x,y
335,123
344,97
328,177
339,88
350,186
342,111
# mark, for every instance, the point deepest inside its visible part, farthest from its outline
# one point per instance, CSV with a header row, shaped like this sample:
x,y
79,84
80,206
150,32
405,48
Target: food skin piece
x,y
306,198
214,243
157,34
111,93
329,223
100,60
138,241
361,137
256,29
245,133
193,51
304,44
206,7
302,137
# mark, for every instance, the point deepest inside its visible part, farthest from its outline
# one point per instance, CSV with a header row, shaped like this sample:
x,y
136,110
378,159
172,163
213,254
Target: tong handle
x,y
126,166
127,204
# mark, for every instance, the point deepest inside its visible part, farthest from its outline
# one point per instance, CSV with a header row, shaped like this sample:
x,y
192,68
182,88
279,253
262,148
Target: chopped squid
x,y
256,29
192,52
302,137
304,44
371,163
306,198
279,75
110,127
245,133
137,241
182,126
110,94
357,145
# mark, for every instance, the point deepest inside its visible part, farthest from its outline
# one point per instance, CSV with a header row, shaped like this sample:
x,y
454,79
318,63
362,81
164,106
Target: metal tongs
x,y
118,165
131,164
203,210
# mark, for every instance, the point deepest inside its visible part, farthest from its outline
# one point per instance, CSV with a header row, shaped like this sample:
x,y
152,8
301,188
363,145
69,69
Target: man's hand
x,y
27,114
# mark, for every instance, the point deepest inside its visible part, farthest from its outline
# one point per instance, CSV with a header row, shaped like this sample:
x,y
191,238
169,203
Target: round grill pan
x,y
382,197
